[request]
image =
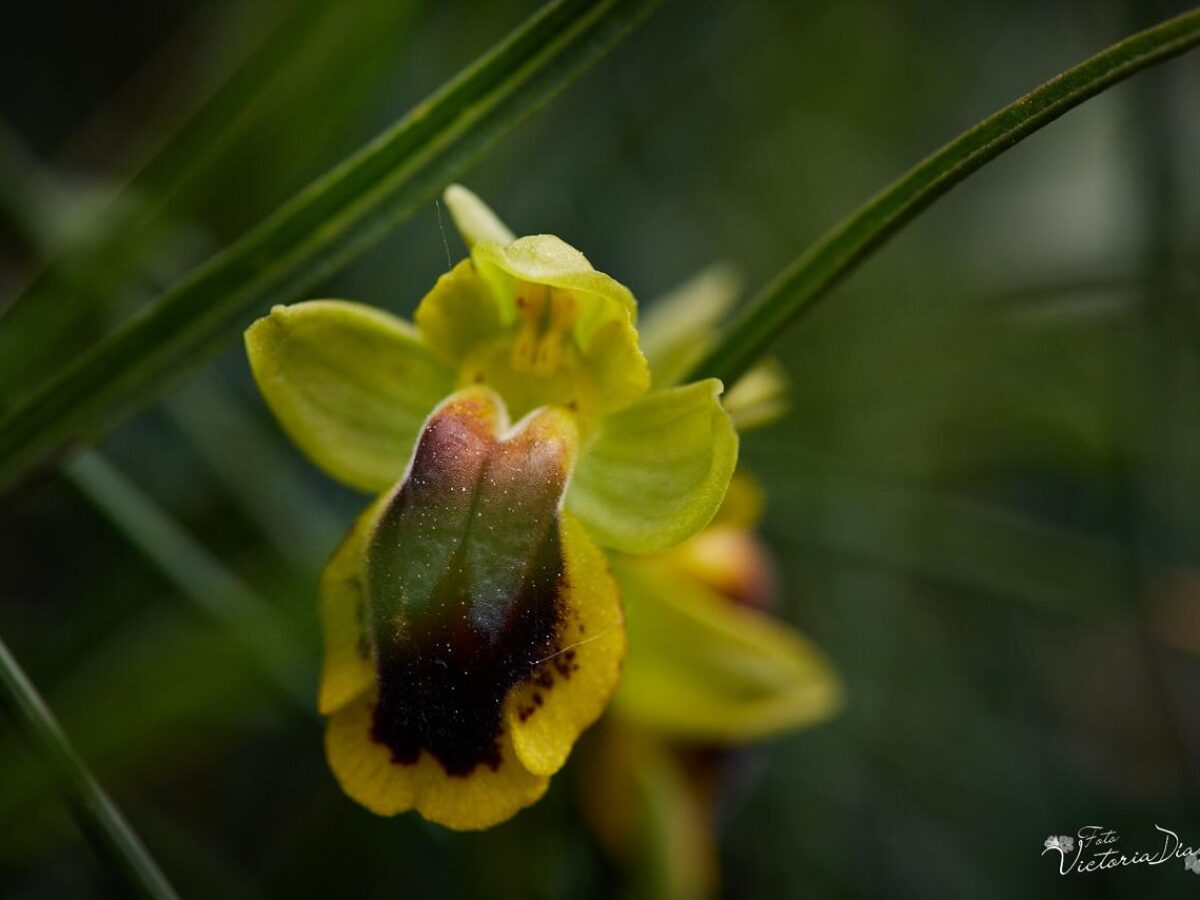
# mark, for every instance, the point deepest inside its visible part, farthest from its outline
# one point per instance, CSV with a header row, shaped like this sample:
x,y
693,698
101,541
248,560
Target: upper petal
x,y
460,314
549,260
351,385
656,472
568,341
603,311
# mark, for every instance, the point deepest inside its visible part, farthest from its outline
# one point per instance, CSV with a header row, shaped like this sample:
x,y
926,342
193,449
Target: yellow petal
x,y
704,669
567,692
366,772
348,668
460,313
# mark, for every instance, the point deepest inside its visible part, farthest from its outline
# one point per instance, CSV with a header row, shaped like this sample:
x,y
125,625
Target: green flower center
x,y
547,316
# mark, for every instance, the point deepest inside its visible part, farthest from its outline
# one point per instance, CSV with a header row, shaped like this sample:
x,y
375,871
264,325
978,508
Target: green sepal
x,y
702,668
349,383
656,472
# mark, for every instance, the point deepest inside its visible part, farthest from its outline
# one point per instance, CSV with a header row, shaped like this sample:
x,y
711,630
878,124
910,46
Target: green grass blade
x,y
94,809
237,447
849,243
198,574
21,188
190,177
319,230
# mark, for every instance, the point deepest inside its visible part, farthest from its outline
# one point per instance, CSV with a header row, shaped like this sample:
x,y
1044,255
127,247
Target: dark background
x,y
984,498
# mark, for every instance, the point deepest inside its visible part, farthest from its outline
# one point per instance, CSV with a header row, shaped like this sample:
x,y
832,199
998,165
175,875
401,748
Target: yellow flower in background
x,y
473,625
709,670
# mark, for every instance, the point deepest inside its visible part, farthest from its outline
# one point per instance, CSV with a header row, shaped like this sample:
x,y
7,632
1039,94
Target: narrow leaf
x,y
849,243
196,573
94,809
195,175
319,230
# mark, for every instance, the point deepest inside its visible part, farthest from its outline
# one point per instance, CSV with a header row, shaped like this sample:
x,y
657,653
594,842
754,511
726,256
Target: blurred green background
x,y
984,500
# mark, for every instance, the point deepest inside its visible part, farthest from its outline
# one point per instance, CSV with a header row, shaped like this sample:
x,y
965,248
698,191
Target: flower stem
x,y
849,243
93,808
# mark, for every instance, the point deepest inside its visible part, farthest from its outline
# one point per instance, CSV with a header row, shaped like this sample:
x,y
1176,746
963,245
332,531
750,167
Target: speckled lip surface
x,y
466,580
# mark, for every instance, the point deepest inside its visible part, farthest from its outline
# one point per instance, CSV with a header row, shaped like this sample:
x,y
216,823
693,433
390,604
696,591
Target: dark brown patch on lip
x,y
442,689
466,584
565,665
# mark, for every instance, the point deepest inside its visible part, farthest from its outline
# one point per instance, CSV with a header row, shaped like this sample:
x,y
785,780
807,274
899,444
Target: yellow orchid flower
x,y
473,626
